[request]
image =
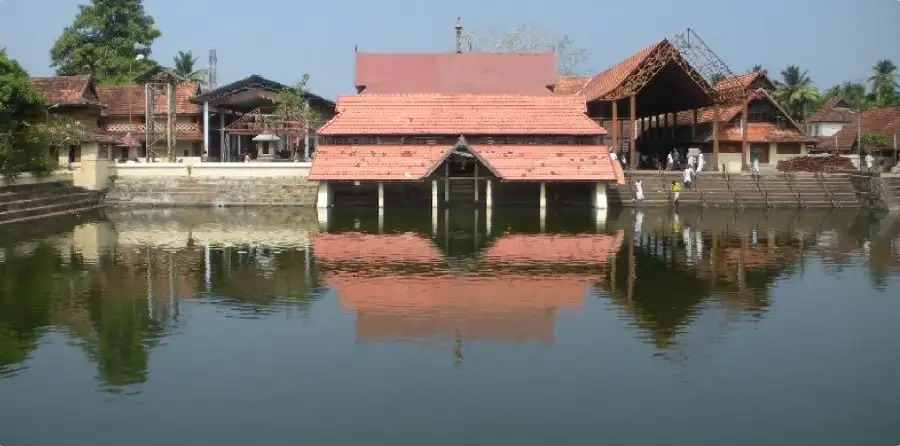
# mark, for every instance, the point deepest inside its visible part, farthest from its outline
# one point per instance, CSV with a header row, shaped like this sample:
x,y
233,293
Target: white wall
x,y
826,128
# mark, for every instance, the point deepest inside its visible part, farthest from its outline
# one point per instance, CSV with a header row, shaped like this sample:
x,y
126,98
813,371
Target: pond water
x,y
275,327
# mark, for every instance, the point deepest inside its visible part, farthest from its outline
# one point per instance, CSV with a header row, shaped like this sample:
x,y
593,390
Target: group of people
x,y
694,163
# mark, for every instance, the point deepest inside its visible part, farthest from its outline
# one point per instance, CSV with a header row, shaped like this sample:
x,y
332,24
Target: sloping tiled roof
x,y
878,121
607,81
472,72
459,114
122,100
65,90
571,84
765,132
375,162
744,81
551,163
833,110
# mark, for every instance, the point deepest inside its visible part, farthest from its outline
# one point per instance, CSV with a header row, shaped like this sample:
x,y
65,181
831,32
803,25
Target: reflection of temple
x,y
401,287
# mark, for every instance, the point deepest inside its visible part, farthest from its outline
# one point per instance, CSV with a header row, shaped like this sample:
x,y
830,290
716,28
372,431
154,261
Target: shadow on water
x,y
115,284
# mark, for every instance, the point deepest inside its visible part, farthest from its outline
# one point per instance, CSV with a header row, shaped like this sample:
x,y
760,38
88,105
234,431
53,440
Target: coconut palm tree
x,y
797,94
184,66
854,93
884,83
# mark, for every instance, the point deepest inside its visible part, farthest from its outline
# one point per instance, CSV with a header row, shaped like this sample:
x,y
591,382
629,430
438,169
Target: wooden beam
x,y
715,135
633,129
615,127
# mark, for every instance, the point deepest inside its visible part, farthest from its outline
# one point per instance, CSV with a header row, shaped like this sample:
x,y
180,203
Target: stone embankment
x,y
23,202
769,190
175,191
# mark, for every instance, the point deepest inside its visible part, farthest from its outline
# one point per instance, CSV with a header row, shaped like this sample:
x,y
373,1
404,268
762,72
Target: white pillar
x,y
543,202
222,135
380,220
488,214
380,195
543,219
434,220
207,268
488,194
206,127
599,198
323,199
600,219
434,194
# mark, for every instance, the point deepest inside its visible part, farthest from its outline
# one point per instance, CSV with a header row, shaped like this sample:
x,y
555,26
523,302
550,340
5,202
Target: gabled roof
x,y
728,112
124,100
161,74
571,84
66,90
460,114
254,81
885,121
835,110
450,73
607,81
746,81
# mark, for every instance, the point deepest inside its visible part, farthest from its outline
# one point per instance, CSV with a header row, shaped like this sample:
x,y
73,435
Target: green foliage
x,y
797,94
292,104
105,40
873,141
884,83
23,143
184,63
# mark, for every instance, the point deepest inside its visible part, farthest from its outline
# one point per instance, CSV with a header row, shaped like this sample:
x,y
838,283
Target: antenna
x,y
212,75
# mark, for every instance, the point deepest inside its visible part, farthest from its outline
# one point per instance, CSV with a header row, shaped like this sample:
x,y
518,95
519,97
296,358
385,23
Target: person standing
x,y
638,190
688,177
870,161
700,162
676,192
755,162
670,161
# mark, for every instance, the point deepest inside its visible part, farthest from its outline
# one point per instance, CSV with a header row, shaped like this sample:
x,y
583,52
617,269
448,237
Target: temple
x,y
474,128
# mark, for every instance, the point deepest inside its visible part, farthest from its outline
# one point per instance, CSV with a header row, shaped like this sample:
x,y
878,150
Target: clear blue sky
x,y
835,40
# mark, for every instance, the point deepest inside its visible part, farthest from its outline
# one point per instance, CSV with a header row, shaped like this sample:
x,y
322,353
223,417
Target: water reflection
x,y
121,284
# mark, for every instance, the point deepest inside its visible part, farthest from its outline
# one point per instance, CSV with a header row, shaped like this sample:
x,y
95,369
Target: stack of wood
x,y
823,163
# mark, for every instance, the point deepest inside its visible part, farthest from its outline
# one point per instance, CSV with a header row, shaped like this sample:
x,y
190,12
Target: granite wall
x,y
173,191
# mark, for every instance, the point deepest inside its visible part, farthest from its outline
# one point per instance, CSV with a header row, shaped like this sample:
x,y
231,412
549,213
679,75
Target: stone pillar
x,y
488,195
599,197
93,174
434,194
380,195
543,199
323,199
206,130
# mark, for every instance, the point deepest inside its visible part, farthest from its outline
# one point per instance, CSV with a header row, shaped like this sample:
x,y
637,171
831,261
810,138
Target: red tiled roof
x,y
744,81
607,81
375,162
439,114
118,102
833,110
551,163
374,248
875,121
65,90
449,73
531,249
765,132
571,84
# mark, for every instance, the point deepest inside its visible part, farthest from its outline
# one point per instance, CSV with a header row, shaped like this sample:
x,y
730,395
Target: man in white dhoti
x,y
700,162
638,190
670,161
870,161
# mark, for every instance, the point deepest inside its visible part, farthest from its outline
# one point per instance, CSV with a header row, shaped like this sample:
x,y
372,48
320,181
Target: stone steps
x,y
65,205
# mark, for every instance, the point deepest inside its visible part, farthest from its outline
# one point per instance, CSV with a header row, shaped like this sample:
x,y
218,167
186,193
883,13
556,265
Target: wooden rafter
x,y
256,122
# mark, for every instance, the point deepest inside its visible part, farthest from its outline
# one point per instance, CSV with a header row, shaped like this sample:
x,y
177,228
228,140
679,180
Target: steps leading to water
x,y
32,201
772,190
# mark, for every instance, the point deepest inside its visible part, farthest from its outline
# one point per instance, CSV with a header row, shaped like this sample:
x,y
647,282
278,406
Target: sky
x,y
836,40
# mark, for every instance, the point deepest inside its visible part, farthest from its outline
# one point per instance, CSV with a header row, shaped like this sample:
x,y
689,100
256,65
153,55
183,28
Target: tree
x,y
570,58
884,83
854,93
184,66
759,69
797,94
716,78
105,40
23,144
292,107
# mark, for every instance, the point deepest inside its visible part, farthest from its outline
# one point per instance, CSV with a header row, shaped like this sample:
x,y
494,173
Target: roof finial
x,y
459,29
355,48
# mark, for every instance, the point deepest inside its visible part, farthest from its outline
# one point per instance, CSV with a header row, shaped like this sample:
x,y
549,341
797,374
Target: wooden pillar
x,y
667,143
674,125
632,143
694,112
615,127
745,146
715,135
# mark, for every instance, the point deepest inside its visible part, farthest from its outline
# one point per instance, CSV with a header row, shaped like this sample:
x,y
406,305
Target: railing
x,y
789,179
727,177
820,177
761,187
